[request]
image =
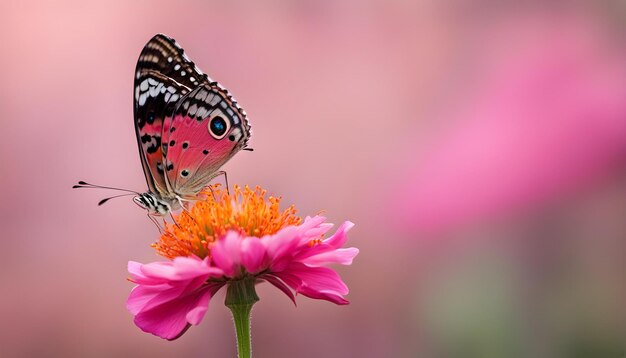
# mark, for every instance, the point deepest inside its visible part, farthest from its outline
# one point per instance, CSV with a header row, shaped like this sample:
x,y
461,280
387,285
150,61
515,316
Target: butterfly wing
x,y
206,130
185,169
163,55
155,100
160,81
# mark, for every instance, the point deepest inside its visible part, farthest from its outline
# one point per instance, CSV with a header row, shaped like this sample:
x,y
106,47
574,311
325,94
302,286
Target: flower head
x,y
228,238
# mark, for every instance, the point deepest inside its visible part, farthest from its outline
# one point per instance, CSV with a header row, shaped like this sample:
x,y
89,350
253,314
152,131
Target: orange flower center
x,y
245,210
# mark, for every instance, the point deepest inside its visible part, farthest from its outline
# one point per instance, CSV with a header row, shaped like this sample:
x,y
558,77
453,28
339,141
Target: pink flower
x,y
172,295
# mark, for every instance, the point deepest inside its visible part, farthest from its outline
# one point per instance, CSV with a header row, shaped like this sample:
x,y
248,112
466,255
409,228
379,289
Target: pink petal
x,y
171,294
311,228
334,242
140,296
339,256
340,236
155,273
280,285
311,223
164,270
226,253
330,296
281,246
190,267
134,268
169,320
320,278
319,230
181,269
160,294
195,315
252,254
291,280
315,282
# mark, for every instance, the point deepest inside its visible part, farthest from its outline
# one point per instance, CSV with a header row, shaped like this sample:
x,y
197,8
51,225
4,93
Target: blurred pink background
x,y
479,147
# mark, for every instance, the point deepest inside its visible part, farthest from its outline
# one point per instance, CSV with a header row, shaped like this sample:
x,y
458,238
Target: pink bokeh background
x,y
479,148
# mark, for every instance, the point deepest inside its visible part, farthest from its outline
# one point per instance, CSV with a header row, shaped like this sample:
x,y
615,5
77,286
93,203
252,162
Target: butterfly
x,y
187,126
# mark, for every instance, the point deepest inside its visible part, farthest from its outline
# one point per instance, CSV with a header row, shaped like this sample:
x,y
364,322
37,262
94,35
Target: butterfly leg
x,y
185,210
212,192
156,223
221,172
174,220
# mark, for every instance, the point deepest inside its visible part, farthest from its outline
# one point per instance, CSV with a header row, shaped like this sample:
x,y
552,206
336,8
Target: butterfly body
x,y
187,125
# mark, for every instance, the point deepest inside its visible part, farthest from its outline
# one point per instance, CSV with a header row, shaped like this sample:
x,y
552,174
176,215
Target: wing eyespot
x,y
218,126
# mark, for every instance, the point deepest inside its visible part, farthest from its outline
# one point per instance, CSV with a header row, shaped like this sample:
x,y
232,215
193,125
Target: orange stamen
x,y
246,211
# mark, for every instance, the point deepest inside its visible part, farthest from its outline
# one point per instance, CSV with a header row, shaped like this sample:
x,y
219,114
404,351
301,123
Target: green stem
x,y
240,297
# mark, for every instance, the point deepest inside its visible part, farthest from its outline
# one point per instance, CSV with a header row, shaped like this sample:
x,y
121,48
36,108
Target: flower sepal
x,y
241,292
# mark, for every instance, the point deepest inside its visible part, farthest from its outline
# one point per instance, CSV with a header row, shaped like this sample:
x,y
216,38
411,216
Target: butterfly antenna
x,y
83,184
113,197
248,149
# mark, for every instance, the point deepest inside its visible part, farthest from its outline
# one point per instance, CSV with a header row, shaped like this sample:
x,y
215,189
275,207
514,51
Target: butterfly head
x,y
152,203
